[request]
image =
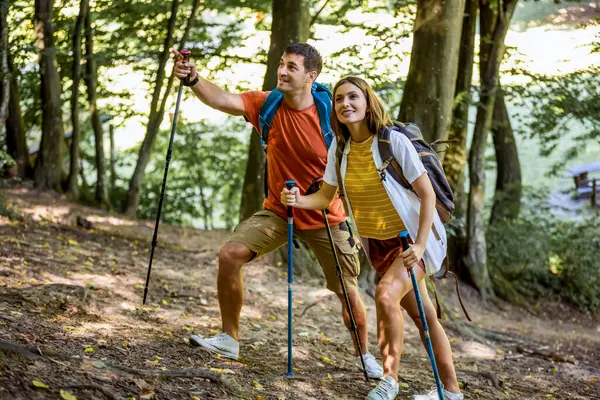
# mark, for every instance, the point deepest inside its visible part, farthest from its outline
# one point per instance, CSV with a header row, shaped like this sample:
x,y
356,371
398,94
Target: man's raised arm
x,y
209,93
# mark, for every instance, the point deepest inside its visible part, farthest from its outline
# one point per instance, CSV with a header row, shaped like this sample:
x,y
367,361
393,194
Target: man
x,y
296,150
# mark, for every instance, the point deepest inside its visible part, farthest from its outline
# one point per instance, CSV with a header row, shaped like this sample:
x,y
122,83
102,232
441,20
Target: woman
x,y
381,209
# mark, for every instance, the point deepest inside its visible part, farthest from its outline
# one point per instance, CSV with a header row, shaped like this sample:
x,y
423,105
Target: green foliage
x,y
6,161
561,105
205,176
540,256
6,208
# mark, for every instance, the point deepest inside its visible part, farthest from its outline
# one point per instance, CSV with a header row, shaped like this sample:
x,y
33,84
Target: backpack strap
x,y
339,154
266,114
389,164
437,302
322,96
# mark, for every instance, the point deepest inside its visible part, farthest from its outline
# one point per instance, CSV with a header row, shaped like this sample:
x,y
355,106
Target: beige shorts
x,y
266,231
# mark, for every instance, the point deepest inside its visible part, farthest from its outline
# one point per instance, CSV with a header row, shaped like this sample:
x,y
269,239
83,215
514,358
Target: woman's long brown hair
x,y
376,116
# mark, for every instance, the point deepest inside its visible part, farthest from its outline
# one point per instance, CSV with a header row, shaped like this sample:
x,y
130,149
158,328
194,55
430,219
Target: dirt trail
x,y
71,318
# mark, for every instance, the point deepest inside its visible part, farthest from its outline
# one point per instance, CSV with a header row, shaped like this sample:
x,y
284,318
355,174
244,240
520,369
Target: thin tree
x,y
494,22
16,141
73,186
4,71
507,198
48,166
91,82
455,158
133,192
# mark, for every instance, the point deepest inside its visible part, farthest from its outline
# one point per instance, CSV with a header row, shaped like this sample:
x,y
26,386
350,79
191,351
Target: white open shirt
x,y
406,202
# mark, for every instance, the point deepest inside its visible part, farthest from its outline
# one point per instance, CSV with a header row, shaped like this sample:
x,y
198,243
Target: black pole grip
x,y
290,184
186,57
404,240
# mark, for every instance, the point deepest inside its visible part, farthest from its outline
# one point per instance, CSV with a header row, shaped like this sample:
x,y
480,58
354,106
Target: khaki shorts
x,y
266,231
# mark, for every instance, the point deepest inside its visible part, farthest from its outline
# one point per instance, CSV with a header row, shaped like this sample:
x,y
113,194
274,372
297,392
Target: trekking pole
x,y
186,57
338,272
438,383
290,213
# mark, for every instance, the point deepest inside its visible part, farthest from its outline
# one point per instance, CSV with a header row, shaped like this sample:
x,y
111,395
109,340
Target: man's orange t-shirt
x,y
296,150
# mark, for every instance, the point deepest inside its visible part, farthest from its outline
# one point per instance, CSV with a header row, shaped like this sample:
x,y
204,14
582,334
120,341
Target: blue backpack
x,y
322,96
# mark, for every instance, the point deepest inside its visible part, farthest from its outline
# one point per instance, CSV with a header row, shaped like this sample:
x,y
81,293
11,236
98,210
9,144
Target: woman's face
x,y
350,104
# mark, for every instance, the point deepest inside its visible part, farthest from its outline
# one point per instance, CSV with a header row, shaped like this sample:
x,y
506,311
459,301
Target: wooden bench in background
x,y
585,185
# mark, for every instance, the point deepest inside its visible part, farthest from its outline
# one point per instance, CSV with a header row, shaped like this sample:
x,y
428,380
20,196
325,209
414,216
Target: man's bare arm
x,y
209,93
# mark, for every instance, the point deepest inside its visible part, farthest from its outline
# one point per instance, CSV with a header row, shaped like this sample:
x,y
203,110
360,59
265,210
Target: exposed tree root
x,y
497,383
532,350
36,354
15,348
311,305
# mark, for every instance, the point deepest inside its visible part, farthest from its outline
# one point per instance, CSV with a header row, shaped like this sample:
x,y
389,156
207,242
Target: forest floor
x,y
72,324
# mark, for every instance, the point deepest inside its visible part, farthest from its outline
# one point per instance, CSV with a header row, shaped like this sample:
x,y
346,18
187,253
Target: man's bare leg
x,y
230,285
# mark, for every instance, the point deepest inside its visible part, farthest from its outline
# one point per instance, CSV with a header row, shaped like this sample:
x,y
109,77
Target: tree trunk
x,y
455,157
429,90
91,82
290,25
493,27
507,200
4,71
133,193
184,38
16,140
73,186
113,161
48,166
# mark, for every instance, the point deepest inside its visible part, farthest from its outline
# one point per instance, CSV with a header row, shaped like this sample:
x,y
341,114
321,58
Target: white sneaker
x,y
374,370
386,390
433,395
222,344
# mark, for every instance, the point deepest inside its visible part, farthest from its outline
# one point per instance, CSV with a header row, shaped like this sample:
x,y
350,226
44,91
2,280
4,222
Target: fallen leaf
x,y
142,384
89,350
99,364
72,242
40,384
67,395
164,302
257,385
403,385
